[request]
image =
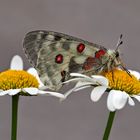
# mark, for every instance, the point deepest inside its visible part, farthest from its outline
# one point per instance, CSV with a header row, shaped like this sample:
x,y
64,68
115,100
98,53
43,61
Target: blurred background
x,y
77,118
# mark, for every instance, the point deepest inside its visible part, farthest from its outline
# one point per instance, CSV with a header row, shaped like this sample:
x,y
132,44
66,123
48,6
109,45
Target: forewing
x,y
43,48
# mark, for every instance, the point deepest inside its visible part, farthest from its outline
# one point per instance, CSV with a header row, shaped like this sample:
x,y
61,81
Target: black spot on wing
x,y
66,46
74,67
57,38
44,36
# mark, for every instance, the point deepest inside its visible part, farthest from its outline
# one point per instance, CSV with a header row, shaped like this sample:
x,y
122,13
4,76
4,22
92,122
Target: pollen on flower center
x,y
120,80
16,79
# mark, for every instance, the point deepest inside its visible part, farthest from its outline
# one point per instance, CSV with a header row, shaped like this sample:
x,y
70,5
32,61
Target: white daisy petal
x,y
119,99
73,80
56,94
82,83
14,91
130,101
136,97
42,87
101,80
31,91
66,94
79,75
16,63
81,80
135,73
42,92
97,92
110,105
82,87
33,71
4,92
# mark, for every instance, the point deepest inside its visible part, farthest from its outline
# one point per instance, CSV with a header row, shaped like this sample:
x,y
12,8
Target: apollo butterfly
x,y
56,55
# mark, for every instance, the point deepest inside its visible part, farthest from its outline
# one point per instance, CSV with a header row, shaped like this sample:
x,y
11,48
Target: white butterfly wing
x,y
55,55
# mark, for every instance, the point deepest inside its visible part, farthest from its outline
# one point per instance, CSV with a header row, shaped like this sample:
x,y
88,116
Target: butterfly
x,y
55,55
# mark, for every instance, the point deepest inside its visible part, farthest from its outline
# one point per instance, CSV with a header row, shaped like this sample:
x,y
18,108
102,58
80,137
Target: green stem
x,y
109,125
15,99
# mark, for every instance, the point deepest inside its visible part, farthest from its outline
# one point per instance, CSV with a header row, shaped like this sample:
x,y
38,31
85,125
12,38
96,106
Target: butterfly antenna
x,y
119,43
112,75
125,69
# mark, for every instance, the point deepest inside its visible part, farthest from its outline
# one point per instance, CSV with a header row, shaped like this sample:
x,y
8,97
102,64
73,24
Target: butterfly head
x,y
114,55
114,59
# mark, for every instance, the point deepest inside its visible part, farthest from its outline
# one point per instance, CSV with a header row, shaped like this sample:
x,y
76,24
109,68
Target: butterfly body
x,y
56,55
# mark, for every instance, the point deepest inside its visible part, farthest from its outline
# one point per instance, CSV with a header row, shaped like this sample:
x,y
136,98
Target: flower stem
x,y
109,125
15,99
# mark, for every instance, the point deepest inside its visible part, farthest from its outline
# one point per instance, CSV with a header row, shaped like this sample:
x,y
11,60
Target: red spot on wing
x,y
99,53
80,47
90,61
59,58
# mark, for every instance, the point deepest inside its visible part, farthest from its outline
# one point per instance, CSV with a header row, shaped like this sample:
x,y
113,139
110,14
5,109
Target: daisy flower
x,y
120,86
17,81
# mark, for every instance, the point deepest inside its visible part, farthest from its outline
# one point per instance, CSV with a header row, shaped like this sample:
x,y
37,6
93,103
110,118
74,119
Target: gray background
x,y
78,118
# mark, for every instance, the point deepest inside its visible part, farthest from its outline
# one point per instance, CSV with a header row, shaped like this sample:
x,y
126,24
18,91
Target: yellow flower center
x,y
120,80
17,79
